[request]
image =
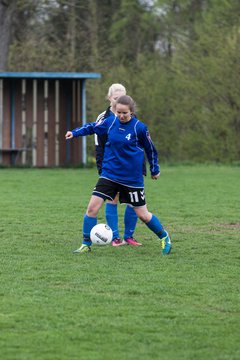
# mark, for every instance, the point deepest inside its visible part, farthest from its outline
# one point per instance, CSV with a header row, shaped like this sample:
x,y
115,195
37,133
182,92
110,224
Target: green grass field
x,y
120,303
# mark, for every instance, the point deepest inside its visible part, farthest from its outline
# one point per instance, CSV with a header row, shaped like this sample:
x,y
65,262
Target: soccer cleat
x,y
83,249
166,244
117,242
131,241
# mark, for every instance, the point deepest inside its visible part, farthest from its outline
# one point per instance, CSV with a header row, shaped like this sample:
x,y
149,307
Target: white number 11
x,y
134,196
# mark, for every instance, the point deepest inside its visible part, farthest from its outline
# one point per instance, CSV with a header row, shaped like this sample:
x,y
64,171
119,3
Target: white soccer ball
x,y
101,234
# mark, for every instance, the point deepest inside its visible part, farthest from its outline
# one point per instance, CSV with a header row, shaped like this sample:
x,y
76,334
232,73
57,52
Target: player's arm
x,y
151,152
68,135
155,177
90,129
87,129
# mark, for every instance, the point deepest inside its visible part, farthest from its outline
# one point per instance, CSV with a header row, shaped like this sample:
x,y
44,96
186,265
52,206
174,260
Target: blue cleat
x,y
166,244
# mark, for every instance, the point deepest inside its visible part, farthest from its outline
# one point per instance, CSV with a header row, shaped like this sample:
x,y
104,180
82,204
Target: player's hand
x,y
68,135
155,177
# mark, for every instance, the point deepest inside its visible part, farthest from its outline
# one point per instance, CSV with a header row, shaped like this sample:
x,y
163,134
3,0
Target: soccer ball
x,y
101,234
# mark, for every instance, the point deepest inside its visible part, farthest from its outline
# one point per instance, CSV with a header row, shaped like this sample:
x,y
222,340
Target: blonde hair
x,y
116,87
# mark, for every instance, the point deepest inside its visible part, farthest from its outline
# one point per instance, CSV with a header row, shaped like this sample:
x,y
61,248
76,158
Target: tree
x,y
7,9
207,73
179,59
133,32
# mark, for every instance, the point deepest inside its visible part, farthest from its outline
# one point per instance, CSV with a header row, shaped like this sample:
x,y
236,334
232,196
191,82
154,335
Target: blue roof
x,y
49,75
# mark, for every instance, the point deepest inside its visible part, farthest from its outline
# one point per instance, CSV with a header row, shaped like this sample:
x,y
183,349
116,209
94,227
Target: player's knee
x,y
92,211
144,217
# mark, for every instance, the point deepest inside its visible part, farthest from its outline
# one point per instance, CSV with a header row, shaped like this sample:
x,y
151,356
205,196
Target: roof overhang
x,y
49,75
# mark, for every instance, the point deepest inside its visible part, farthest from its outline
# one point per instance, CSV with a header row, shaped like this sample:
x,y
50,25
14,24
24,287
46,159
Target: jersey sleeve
x,y
94,128
87,129
146,142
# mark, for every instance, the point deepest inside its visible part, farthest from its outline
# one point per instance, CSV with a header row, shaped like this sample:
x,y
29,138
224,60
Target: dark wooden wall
x,y
36,113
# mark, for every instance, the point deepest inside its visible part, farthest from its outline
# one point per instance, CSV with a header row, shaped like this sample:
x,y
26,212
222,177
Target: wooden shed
x,y
36,109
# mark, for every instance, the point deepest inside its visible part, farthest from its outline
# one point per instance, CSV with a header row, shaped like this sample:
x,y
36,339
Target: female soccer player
x,y
128,138
111,210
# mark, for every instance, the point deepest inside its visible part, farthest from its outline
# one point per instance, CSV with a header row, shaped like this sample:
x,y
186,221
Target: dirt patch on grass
x,y
210,228
221,227
229,226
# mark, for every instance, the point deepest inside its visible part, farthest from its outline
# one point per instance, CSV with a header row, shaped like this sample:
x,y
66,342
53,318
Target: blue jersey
x,y
124,150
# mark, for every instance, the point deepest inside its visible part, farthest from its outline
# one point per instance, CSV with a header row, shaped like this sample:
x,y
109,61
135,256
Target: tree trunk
x,y
93,33
6,20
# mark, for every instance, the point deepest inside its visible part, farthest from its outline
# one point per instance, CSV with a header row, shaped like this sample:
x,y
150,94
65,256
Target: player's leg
x,y
104,189
89,221
111,213
90,218
130,196
130,222
154,224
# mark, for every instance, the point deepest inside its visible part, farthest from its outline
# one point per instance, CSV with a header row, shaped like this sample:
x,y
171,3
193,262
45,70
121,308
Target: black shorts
x,y
107,190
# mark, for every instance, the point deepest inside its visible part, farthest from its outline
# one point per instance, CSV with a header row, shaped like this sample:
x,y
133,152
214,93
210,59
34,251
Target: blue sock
x,y
130,222
155,225
88,224
111,213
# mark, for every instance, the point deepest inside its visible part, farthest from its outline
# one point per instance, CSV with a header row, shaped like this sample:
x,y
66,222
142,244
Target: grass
x,y
120,303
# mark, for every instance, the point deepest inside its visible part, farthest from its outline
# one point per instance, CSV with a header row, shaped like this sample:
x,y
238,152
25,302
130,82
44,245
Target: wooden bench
x,y
14,153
